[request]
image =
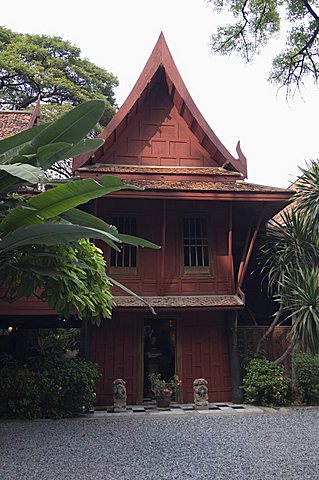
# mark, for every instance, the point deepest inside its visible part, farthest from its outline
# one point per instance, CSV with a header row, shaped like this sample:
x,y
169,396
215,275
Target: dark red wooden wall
x,y
201,351
116,347
155,135
204,354
149,215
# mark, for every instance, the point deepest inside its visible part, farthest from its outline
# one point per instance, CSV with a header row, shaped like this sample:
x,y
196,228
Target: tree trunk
x,y
285,354
269,331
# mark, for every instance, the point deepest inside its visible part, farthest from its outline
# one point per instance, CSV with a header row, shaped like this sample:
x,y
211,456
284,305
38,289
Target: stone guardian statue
x,y
119,395
200,393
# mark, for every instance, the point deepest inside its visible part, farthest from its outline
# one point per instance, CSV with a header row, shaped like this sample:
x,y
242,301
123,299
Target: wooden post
x,y
242,271
230,244
85,338
178,356
242,261
234,363
162,274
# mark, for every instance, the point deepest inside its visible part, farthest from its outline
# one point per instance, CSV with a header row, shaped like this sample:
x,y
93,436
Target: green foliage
x,y
288,244
307,377
255,22
49,67
39,234
73,388
59,200
301,299
42,146
307,196
71,279
65,390
161,387
290,260
48,345
265,383
20,392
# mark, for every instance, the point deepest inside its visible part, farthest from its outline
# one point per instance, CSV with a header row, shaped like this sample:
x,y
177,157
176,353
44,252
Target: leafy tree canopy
x,y
256,22
49,67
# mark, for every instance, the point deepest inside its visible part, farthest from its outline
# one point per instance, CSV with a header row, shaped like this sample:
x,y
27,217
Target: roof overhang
x,y
211,302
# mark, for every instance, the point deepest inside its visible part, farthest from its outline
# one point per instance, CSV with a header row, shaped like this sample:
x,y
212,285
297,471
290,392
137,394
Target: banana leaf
x,y
71,127
8,144
25,172
131,293
60,199
52,234
83,218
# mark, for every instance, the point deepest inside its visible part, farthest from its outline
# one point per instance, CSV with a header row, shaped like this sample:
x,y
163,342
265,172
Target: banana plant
x,y
51,217
46,144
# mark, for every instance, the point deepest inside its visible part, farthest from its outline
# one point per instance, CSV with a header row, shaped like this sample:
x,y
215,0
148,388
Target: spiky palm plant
x,y
301,300
290,258
307,194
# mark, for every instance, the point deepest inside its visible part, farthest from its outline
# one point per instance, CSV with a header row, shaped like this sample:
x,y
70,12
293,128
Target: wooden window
x,y
195,245
126,257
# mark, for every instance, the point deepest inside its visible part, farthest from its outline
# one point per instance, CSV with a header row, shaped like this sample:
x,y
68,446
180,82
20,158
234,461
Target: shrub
x,y
307,377
20,392
265,383
63,391
73,386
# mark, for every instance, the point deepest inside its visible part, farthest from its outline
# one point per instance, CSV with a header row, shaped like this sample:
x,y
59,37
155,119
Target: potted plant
x,y
163,390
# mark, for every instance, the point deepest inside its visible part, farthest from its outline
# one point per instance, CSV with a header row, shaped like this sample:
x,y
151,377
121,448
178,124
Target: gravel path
x,y
260,447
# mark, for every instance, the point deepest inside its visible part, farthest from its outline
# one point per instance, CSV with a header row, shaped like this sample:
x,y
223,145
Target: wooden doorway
x,y
159,351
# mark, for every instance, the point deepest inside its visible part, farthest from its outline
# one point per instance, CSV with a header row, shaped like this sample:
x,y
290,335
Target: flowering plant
x,y
162,388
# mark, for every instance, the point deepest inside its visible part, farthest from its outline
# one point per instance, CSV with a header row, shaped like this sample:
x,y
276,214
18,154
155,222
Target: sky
x,y
236,100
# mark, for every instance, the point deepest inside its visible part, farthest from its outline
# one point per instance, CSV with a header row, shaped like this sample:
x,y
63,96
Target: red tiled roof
x,y
13,121
160,178
149,169
220,301
207,186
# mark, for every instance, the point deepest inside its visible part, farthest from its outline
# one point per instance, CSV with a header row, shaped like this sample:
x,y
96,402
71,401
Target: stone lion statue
x,y
200,392
119,394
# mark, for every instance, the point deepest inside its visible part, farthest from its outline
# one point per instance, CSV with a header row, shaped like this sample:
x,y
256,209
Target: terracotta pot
x,y
163,401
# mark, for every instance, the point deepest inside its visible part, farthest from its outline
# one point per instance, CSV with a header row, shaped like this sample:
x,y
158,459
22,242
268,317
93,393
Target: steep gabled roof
x,y
161,65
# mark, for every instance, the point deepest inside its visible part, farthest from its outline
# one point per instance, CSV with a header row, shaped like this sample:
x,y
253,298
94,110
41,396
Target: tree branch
x,y
28,102
310,10
308,44
270,329
285,354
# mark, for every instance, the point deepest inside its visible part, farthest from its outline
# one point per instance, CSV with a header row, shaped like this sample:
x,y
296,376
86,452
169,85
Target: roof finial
x,y
35,117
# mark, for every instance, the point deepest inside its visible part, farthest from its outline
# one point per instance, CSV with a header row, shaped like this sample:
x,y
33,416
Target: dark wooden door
x,y
204,353
116,348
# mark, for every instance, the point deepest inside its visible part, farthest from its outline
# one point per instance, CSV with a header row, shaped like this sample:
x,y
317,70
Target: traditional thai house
x,y
197,206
